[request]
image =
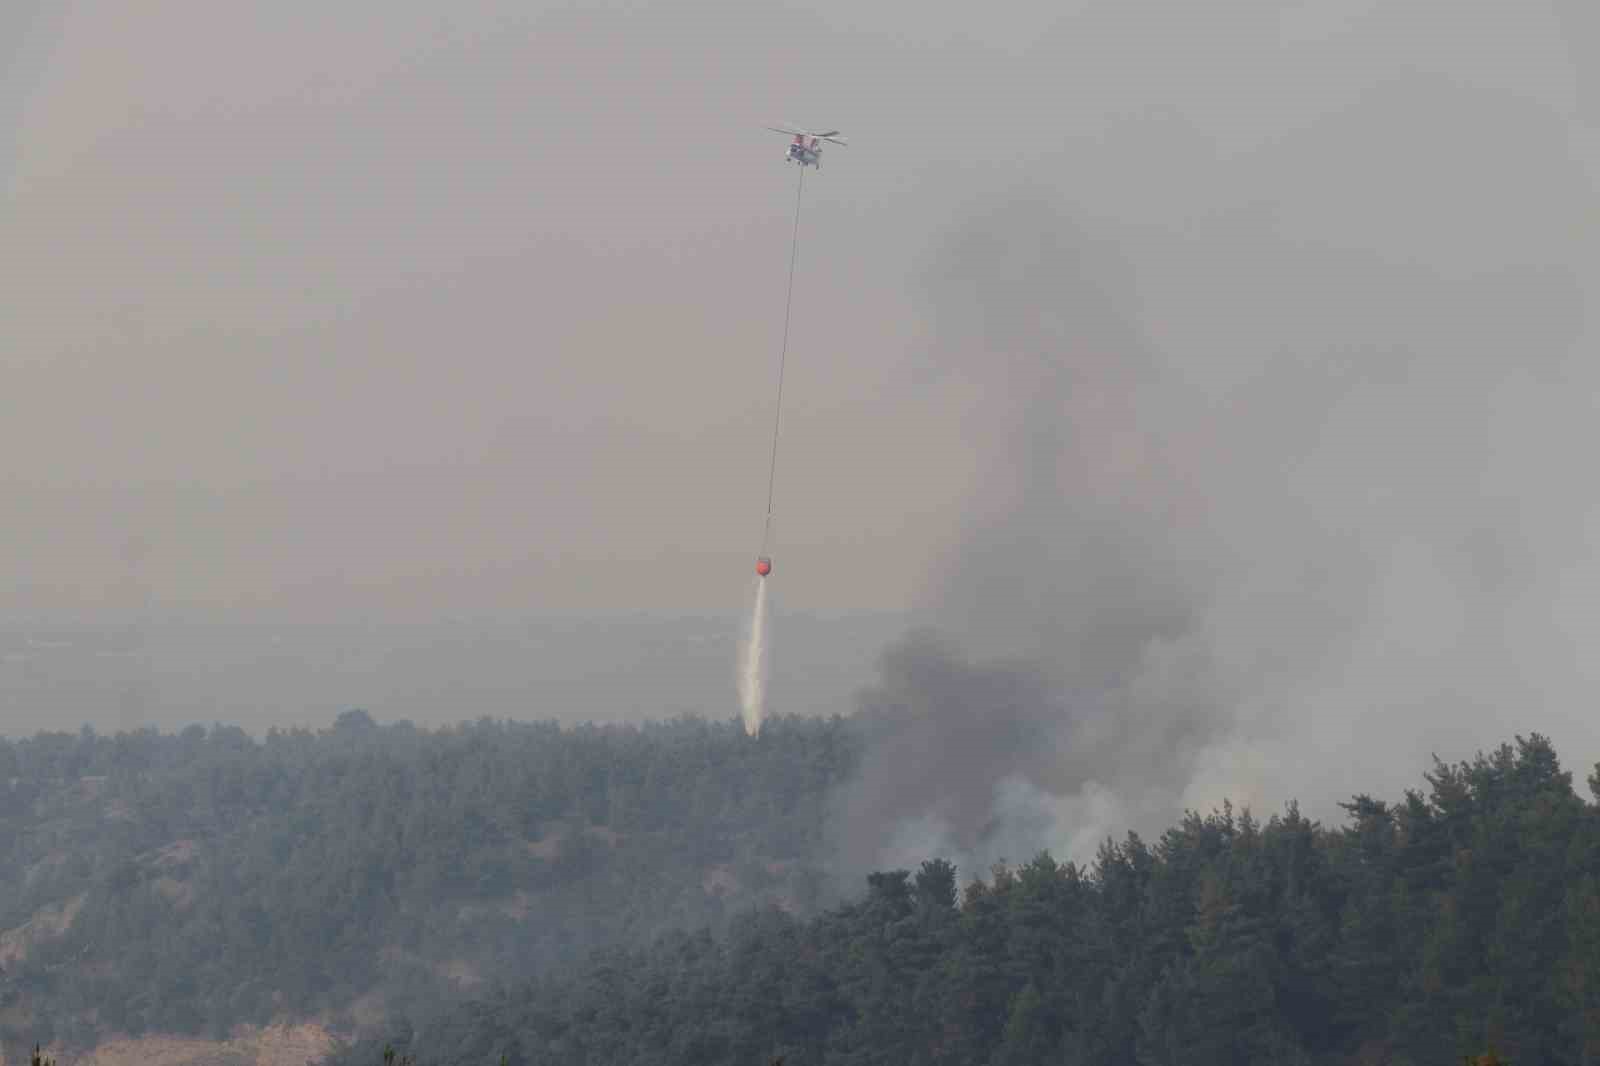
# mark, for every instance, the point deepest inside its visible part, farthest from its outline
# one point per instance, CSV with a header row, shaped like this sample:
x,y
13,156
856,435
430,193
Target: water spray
x,y
753,661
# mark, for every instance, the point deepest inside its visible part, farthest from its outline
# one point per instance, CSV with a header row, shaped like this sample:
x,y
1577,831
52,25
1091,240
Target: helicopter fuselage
x,y
805,154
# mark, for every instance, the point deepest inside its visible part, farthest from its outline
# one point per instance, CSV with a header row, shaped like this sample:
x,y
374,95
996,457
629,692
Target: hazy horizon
x,y
616,668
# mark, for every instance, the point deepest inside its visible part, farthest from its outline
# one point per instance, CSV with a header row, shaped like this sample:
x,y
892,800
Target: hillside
x,y
1464,917
622,894
188,885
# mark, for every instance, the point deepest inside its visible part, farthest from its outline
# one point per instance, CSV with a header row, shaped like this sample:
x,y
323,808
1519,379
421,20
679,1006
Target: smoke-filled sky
x,y
394,309
1230,363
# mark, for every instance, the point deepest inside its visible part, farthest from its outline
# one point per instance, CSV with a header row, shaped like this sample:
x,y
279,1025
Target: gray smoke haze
x,y
1222,372
1067,700
1275,496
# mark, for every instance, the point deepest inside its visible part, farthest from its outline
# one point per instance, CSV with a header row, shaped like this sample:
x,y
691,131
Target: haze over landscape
x,y
349,316
1184,403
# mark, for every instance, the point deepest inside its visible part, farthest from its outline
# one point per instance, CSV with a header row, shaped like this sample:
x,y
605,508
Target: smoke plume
x,y
1258,518
1067,694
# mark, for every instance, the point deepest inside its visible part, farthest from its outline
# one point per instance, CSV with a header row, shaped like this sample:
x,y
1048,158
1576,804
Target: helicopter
x,y
806,148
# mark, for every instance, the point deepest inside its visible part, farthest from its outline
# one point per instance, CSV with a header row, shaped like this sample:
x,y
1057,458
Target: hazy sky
x,y
395,309
1234,356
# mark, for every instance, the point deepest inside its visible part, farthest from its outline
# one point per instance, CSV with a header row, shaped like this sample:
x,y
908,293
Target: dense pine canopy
x,y
206,879
657,894
1462,919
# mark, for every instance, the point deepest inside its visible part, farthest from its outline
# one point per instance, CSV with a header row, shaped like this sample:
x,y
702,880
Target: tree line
x,y
212,879
1462,920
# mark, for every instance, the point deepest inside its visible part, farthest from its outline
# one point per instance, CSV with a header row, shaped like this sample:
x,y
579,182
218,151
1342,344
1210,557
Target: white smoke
x,y
1070,826
754,654
1025,819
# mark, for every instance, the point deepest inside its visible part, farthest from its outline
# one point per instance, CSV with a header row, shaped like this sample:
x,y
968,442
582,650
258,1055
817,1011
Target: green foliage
x,y
614,890
216,880
1420,932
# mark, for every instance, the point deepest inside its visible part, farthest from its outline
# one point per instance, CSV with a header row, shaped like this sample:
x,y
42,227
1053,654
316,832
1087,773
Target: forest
x,y
661,893
1460,923
187,883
